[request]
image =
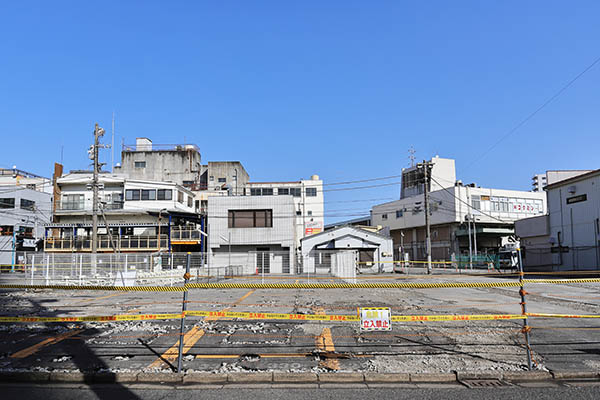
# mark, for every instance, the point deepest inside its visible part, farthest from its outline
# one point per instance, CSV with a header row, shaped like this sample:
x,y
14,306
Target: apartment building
x,y
461,216
134,215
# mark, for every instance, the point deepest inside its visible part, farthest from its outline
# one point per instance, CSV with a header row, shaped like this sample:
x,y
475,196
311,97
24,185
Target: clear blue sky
x,y
337,88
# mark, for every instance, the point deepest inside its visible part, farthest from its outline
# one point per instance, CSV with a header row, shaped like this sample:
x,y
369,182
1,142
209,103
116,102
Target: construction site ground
x,y
225,345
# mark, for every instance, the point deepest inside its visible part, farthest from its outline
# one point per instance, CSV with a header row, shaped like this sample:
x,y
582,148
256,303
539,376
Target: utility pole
x,y
98,133
468,218
426,167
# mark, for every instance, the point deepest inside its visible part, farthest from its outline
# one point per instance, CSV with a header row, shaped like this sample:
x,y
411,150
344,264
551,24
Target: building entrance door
x,y
263,260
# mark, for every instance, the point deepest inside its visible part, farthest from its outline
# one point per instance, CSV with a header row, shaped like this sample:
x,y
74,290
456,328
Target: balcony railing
x,y
185,234
122,243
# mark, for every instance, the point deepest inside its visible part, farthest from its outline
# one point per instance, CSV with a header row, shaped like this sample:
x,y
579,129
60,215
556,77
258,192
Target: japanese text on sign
x,y
375,319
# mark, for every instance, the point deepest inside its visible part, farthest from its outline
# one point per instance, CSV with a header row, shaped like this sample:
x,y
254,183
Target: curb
x,y
251,378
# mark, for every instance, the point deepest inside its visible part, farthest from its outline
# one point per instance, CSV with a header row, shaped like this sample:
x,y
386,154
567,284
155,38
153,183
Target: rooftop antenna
x,y
411,156
62,148
112,147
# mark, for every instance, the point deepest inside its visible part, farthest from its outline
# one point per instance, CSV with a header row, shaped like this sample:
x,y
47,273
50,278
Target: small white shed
x,y
375,254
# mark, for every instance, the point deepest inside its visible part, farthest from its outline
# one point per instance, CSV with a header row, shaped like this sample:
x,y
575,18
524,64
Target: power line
x,y
537,110
363,180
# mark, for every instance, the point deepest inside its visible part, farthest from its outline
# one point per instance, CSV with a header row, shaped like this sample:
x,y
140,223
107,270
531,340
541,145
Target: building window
x,y
6,230
132,194
283,191
222,180
180,197
383,216
72,202
250,219
267,192
261,192
27,204
149,194
190,201
399,213
211,178
7,202
296,192
298,213
311,192
476,202
255,192
164,194
309,213
140,164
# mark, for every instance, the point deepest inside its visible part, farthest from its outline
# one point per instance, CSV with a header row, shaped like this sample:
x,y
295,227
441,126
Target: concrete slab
x,y
433,377
294,377
204,378
372,377
259,377
349,377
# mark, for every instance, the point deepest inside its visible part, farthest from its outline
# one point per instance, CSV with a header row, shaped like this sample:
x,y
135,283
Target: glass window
x,y
255,192
250,218
190,201
27,204
72,202
283,191
309,213
311,192
148,194
7,202
296,192
383,216
399,213
140,164
222,180
267,192
164,194
132,194
180,197
211,178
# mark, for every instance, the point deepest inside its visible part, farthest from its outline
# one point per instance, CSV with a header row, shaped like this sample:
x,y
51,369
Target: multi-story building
x,y
459,214
567,238
134,215
20,178
307,196
23,213
539,181
260,227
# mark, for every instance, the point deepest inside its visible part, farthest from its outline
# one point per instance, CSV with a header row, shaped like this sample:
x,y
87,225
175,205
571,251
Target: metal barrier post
x,y
32,267
526,328
47,269
186,278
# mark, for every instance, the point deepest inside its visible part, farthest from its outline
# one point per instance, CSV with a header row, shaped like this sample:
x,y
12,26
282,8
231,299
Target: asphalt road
x,y
65,392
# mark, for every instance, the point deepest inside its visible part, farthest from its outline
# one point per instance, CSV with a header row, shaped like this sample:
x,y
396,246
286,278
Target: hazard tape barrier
x,y
93,318
339,285
258,315
90,287
560,315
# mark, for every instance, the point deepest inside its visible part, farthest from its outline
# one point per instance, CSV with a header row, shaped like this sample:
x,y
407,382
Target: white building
x,y
255,232
375,251
23,214
137,212
307,196
567,238
539,181
492,211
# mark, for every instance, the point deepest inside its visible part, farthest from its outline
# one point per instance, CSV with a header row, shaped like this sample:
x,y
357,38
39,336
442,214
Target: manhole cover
x,y
484,383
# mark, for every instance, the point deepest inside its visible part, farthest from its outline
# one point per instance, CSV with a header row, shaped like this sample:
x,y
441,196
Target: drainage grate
x,y
484,383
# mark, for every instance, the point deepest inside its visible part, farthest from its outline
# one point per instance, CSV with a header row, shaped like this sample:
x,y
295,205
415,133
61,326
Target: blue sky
x,y
337,88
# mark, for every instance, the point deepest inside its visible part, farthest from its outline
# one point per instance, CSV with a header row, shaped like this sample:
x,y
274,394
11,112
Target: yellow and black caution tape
x,y
542,315
562,281
90,287
315,285
361,285
93,318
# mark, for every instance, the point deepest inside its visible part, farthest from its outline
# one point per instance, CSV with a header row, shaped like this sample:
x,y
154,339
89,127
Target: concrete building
x,y
375,251
567,238
539,181
229,176
443,174
261,228
20,178
23,214
455,209
168,163
133,215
